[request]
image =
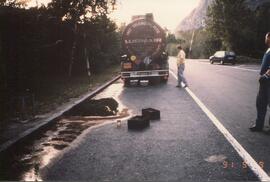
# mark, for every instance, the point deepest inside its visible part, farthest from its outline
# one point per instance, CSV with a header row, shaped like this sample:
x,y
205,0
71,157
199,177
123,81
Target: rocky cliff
x,y
196,18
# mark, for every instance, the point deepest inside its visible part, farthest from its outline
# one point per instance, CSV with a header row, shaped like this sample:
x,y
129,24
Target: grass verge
x,y
51,93
62,90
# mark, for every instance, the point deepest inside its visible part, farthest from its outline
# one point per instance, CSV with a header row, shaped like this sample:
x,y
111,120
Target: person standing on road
x,y
263,97
181,58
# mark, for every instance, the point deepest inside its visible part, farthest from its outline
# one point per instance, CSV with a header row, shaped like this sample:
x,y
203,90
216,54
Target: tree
x,y
233,24
172,39
14,3
35,46
172,43
101,41
262,17
77,12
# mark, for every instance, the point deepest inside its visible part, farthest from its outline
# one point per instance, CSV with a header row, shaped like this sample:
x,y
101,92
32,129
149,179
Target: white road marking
x,y
246,69
254,166
234,67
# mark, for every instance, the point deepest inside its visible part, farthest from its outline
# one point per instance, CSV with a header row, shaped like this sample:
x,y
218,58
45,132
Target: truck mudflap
x,y
144,74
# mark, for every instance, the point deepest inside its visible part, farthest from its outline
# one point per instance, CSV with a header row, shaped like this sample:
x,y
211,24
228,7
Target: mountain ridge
x,y
196,19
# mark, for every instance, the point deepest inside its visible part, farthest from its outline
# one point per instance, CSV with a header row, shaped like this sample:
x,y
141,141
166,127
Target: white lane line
x,y
246,69
254,166
234,67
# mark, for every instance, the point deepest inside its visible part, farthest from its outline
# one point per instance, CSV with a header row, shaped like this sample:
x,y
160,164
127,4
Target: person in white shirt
x,y
181,58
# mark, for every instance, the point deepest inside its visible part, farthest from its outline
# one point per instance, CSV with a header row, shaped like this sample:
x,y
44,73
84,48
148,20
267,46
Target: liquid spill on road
x,y
52,143
25,161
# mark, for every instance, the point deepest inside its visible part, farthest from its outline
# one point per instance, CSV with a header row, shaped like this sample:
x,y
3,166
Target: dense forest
x,y
65,39
230,25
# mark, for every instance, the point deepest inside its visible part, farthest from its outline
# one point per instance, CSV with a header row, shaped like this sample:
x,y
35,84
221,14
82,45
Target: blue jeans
x,y
180,74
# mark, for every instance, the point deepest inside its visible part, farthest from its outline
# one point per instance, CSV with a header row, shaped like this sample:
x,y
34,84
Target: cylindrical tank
x,y
143,38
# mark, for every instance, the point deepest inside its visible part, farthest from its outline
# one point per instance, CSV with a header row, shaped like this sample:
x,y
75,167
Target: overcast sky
x,y
167,13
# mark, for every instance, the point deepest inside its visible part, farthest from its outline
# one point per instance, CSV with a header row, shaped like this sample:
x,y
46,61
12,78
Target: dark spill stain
x,y
101,107
23,161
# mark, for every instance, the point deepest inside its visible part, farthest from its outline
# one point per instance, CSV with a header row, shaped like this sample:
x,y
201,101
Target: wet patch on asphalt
x,y
24,161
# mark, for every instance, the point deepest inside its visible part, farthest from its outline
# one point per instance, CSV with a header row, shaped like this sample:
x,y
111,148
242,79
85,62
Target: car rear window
x,y
220,54
230,53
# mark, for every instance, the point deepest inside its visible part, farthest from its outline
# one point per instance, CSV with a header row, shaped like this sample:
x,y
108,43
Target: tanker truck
x,y
144,56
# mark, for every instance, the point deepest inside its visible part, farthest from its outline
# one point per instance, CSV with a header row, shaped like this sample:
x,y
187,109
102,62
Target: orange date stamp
x,y
243,165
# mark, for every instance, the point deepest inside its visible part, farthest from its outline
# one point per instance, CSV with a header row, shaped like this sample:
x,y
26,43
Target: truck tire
x,y
163,80
154,80
126,82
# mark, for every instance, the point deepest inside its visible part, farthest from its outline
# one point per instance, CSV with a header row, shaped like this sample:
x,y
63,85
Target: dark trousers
x,y
263,99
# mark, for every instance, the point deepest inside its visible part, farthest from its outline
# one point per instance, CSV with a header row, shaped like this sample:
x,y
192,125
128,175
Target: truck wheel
x,y
163,80
126,82
154,80
212,62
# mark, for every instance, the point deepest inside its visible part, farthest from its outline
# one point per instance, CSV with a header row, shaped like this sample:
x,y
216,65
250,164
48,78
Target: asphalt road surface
x,y
184,144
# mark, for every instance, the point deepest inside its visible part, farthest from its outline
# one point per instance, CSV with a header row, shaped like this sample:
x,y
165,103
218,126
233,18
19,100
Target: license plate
x,y
144,73
127,66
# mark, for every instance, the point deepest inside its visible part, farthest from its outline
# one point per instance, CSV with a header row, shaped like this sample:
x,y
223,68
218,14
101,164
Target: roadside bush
x,y
36,47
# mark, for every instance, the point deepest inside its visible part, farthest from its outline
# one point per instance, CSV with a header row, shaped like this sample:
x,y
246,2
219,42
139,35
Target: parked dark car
x,y
223,57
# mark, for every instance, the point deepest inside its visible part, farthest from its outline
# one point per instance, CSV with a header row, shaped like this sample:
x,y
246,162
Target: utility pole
x,y
86,56
73,49
191,42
